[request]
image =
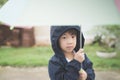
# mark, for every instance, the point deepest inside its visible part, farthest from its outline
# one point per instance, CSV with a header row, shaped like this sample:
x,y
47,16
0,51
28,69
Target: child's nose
x,y
70,40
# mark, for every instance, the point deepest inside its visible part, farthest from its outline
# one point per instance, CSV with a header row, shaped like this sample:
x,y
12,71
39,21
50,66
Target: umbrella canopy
x,y
52,12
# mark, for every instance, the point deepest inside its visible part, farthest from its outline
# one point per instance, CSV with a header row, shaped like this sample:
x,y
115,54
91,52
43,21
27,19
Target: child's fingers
x,y
79,55
81,50
83,75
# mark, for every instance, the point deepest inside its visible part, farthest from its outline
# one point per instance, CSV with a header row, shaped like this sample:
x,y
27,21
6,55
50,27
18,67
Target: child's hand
x,y
82,75
79,56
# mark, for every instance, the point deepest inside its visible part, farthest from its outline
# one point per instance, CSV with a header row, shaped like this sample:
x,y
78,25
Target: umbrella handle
x,y
81,42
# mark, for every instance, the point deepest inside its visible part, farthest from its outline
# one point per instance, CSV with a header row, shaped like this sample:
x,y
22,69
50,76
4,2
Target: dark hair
x,y
72,31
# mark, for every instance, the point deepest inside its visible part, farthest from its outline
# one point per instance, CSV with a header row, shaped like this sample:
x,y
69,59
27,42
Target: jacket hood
x,y
57,31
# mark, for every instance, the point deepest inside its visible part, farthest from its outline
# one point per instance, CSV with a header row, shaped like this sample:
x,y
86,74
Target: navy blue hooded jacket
x,y
59,68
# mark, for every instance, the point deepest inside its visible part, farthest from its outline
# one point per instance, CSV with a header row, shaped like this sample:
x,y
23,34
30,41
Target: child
x,y
69,61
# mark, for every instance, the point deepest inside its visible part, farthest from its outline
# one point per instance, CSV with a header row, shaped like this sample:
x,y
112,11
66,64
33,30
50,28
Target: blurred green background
x,y
39,56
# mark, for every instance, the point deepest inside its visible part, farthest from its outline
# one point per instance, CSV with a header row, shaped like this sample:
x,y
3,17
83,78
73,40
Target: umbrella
x,y
27,13
57,12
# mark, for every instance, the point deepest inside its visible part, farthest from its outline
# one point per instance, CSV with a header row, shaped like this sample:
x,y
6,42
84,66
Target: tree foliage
x,y
108,35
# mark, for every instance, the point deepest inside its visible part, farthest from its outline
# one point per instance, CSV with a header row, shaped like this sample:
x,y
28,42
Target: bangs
x,y
72,31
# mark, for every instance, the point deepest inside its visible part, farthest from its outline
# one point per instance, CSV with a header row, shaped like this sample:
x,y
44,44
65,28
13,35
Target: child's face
x,y
67,42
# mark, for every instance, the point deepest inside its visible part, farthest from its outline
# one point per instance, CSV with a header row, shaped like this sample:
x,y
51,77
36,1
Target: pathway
x,y
41,73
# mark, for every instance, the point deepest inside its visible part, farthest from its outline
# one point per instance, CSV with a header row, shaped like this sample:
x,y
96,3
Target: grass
x,y
39,56
33,56
102,63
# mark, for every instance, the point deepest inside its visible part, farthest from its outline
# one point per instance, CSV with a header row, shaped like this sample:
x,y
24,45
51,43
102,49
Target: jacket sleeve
x,y
58,71
89,69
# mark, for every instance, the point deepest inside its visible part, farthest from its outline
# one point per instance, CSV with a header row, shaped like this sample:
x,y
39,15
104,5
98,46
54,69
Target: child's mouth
x,y
69,47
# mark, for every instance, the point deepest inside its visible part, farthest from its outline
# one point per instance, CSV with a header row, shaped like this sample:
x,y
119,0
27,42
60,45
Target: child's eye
x,y
64,37
73,36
